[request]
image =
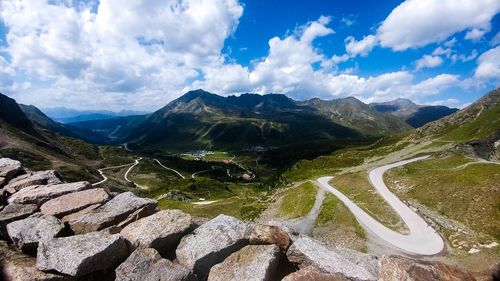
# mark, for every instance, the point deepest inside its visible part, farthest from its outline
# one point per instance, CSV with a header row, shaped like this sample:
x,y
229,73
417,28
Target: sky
x,y
139,55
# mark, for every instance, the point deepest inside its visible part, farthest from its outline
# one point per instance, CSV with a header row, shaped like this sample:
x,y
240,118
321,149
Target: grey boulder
x,y
305,252
39,194
28,232
146,264
211,243
81,254
8,169
74,202
310,273
161,231
14,212
32,178
16,266
112,213
252,263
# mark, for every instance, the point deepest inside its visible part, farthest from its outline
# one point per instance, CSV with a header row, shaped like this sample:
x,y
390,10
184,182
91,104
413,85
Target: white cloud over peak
x,y
141,54
489,65
428,61
416,23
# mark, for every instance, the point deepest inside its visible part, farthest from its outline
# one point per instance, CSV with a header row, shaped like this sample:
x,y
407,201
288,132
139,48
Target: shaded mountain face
x,y
11,113
413,114
38,118
38,144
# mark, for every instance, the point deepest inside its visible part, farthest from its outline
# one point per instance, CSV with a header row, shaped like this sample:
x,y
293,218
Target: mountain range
x,y
202,119
66,115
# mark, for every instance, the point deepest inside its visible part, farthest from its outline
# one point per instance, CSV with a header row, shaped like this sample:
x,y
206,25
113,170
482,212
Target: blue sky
x,y
139,55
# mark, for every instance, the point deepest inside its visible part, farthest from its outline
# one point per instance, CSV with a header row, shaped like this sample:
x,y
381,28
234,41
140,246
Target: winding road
x,y
104,178
170,169
130,169
422,239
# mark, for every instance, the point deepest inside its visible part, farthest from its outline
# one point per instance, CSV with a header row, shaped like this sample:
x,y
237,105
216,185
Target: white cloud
x,y
416,23
464,58
489,65
440,51
428,61
446,102
361,47
348,20
495,40
434,85
143,48
475,34
6,74
142,54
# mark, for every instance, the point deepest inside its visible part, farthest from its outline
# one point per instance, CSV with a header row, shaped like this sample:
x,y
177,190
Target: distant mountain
x,y
113,129
478,121
203,119
66,115
413,114
43,121
38,145
353,113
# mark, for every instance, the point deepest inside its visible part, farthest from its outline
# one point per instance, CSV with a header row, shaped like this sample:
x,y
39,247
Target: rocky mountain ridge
x,y
73,231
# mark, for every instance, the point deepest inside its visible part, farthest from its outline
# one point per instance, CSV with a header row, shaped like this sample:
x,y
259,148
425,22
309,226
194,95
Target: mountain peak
x,y
191,95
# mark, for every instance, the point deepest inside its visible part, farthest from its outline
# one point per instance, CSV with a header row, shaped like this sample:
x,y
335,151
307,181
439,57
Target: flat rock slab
x,y
211,243
81,254
39,194
146,264
112,213
16,266
80,213
305,252
74,202
9,168
310,273
252,263
28,232
161,231
14,212
32,178
395,268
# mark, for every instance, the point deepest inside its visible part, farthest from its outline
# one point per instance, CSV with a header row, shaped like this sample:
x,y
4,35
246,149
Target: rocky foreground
x,y
72,231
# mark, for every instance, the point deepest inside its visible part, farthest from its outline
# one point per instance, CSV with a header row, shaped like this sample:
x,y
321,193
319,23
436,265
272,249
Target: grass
x,y
479,128
217,156
357,187
470,195
247,205
337,226
298,201
344,158
334,212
